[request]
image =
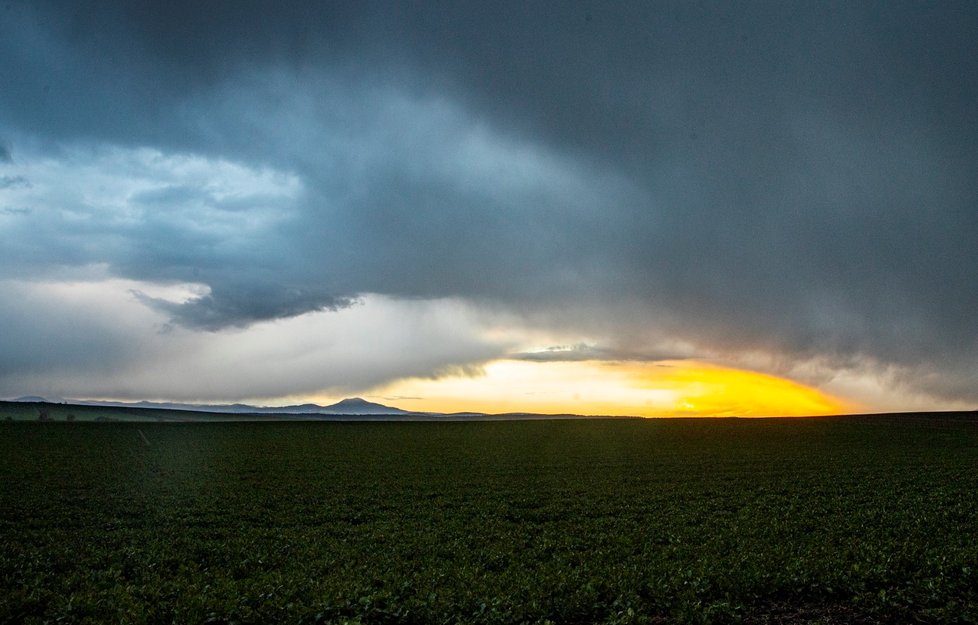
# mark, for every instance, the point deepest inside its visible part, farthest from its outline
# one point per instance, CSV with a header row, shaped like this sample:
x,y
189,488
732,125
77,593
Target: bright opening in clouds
x,y
668,388
461,201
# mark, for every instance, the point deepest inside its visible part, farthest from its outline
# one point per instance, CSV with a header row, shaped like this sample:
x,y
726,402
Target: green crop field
x,y
860,520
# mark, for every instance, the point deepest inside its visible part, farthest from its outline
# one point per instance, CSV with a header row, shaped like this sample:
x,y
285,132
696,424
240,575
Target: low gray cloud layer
x,y
785,178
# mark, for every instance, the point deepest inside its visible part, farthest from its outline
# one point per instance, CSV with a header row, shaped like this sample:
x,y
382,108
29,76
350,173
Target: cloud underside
x,y
789,188
242,307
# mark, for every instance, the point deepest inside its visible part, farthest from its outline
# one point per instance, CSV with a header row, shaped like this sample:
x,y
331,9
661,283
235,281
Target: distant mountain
x,y
352,406
356,405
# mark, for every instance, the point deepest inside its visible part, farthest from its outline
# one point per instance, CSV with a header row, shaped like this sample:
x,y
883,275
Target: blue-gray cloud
x,y
10,182
244,305
751,176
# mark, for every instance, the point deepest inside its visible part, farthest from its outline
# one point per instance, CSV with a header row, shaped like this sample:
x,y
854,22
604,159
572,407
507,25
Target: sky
x,y
688,208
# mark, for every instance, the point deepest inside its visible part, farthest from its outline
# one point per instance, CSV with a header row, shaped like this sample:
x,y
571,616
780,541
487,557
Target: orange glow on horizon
x,y
661,389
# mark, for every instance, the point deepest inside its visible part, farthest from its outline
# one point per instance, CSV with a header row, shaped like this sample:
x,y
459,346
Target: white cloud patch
x,y
95,339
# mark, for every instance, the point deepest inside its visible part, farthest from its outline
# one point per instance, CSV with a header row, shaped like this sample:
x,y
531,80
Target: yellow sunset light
x,y
667,388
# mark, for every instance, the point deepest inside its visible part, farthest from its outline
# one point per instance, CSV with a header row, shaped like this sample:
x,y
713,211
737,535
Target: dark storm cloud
x,y
777,176
244,305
